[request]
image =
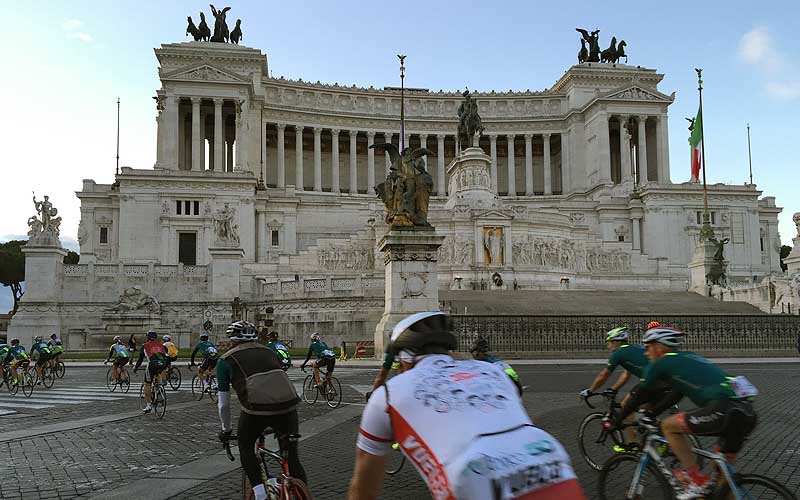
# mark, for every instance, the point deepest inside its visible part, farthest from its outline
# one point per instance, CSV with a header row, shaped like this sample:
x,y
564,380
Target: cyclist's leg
x,y
315,370
149,378
331,365
249,429
285,424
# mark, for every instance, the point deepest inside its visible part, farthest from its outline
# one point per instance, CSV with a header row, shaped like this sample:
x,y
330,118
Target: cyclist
x,y
171,348
480,351
209,352
56,349
121,356
325,356
4,348
42,354
280,349
460,422
724,403
267,398
16,356
156,356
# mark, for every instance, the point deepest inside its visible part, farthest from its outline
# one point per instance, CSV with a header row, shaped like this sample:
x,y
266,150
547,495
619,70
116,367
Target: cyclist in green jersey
x,y
280,349
325,356
724,403
42,354
480,351
56,349
16,356
119,352
4,360
209,352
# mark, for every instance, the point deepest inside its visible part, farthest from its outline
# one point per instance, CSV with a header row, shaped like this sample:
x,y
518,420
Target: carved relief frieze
x,y
351,257
568,255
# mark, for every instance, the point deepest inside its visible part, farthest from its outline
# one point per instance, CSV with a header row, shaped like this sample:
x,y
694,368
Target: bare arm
x,y
380,378
621,381
600,379
367,476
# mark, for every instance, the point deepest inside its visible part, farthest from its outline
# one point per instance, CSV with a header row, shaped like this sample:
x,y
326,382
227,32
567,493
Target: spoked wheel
x,y
595,443
142,401
333,392
124,381
310,393
175,378
197,387
48,377
60,369
213,388
295,489
13,387
112,386
396,460
754,486
27,384
616,476
160,401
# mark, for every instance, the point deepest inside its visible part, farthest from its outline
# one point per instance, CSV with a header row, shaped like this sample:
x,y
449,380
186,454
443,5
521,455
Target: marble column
x,y
219,149
298,154
170,117
335,161
642,124
493,151
512,169
660,151
388,138
261,231
565,163
262,167
528,164
281,182
229,156
548,166
604,165
441,187
353,161
406,142
423,143
318,159
625,148
663,162
242,115
370,163
197,138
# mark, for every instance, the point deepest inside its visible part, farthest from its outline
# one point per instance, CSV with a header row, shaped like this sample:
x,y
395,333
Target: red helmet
x,y
653,324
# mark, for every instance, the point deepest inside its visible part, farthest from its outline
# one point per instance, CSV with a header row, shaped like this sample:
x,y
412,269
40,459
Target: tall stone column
x,y
197,141
370,163
642,147
493,151
242,115
423,143
604,157
335,161
565,163
261,231
317,159
219,149
663,161
171,119
625,148
388,138
353,162
548,166
441,187
406,141
263,141
661,151
298,155
229,156
512,169
281,182
528,164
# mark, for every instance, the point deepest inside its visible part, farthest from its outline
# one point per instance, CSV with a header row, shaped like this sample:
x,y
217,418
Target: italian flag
x,y
696,145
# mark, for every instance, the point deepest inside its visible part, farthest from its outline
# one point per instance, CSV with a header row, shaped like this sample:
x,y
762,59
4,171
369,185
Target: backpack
x,y
172,351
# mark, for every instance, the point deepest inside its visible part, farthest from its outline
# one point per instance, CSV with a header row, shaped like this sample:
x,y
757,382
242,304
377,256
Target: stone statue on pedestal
x,y
236,34
406,191
134,299
191,29
469,121
225,230
205,32
593,41
47,227
221,33
717,276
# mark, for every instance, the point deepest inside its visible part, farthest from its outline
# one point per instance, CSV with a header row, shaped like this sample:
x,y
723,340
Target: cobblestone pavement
x,y
97,459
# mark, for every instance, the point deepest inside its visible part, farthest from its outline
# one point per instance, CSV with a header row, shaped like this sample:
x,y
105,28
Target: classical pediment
x,y
636,93
494,215
204,73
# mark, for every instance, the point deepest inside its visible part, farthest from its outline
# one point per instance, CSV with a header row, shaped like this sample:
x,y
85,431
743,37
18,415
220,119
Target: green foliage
x,y
12,268
785,251
71,258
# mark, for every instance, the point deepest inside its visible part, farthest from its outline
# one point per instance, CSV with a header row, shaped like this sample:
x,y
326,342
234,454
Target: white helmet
x,y
315,337
117,339
167,338
671,337
621,333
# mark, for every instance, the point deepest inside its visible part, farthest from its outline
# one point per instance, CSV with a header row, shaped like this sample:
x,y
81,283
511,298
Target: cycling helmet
x,y
53,336
14,341
117,338
152,335
653,324
37,338
420,330
671,337
273,335
315,337
167,338
242,330
480,345
204,336
620,333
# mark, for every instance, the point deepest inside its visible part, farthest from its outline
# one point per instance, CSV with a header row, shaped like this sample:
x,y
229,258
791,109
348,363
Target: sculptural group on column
x,y
590,48
469,121
226,230
220,34
46,227
407,189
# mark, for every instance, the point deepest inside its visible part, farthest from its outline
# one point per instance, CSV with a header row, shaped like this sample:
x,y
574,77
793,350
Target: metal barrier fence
x,y
750,334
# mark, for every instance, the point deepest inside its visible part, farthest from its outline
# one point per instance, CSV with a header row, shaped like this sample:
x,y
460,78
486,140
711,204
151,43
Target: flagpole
x,y
706,232
117,171
749,154
402,103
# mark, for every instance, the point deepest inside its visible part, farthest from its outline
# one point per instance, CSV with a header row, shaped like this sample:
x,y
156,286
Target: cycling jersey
x,y
631,357
281,350
320,349
40,350
206,349
172,349
491,358
118,351
490,448
389,363
18,352
4,348
153,350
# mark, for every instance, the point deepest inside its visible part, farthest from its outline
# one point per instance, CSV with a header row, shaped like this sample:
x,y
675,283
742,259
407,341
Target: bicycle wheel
x,y
112,386
197,387
594,442
616,476
752,486
333,392
310,392
213,388
175,378
48,377
160,401
27,384
142,402
295,489
13,387
395,462
124,381
60,369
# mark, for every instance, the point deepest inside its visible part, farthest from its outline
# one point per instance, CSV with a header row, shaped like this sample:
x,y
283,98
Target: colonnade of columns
x,y
638,134
197,120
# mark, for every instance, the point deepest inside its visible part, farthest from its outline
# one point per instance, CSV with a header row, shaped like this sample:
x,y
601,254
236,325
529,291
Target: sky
x,y
64,71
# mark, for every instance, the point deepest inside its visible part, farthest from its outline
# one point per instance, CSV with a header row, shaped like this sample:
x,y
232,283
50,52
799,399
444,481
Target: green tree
x,y
785,251
72,257
12,268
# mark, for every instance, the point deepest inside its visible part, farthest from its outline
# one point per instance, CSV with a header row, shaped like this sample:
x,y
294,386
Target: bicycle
x,y
158,398
48,377
173,377
59,369
331,389
395,461
654,479
284,487
207,386
124,381
25,379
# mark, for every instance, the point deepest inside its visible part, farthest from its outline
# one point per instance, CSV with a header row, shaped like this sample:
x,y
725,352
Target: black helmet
x,y
204,336
241,330
480,345
273,335
152,335
420,330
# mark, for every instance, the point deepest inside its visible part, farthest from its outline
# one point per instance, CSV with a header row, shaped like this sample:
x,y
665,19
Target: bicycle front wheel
x,y
310,393
295,489
160,401
754,486
110,380
27,385
595,443
175,378
395,462
48,377
213,388
60,369
333,392
615,480
197,387
124,381
13,385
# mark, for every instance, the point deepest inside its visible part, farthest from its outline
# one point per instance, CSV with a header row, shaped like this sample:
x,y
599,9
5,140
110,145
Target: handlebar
x,y
610,395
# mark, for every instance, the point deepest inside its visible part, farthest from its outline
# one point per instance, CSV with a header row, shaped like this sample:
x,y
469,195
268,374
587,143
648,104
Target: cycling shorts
x,y
208,363
326,362
731,420
120,362
43,359
154,367
172,359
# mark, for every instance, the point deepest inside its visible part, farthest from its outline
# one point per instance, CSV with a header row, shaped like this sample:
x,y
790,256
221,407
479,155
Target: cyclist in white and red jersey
x,y
157,360
489,450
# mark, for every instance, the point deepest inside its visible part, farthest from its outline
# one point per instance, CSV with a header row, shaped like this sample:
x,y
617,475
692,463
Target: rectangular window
x,y
699,217
197,208
762,243
713,218
104,235
275,241
621,238
178,206
187,205
187,249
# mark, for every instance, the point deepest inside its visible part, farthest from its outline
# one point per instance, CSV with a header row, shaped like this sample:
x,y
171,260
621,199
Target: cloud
x,y
71,27
757,49
785,89
84,37
71,24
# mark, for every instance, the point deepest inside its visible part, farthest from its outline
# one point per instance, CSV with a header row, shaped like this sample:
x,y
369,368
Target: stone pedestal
x,y
700,265
470,180
411,278
224,279
792,261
